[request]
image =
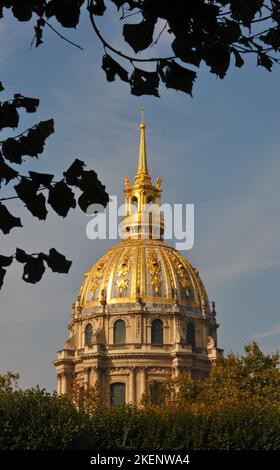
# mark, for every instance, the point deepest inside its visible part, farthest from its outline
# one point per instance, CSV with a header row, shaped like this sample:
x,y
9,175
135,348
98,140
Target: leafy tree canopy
x,y
237,407
213,32
251,378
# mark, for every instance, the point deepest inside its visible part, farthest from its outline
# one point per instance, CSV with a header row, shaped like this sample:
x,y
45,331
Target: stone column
x,y
63,381
132,385
93,376
87,377
58,389
142,381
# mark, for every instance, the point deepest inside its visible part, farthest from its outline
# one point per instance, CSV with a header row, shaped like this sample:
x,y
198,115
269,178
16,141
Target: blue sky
x,y
219,150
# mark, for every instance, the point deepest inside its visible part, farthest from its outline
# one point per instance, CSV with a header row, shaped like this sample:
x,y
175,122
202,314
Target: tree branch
x,y
19,135
119,53
63,37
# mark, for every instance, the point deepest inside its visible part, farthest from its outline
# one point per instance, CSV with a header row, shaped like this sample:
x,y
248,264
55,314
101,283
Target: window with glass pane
x,y
155,392
119,332
117,394
157,332
190,335
88,334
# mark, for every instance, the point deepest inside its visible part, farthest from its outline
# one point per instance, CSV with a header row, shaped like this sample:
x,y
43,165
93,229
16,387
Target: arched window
x,y
157,333
155,397
119,332
117,394
134,205
88,334
190,335
150,204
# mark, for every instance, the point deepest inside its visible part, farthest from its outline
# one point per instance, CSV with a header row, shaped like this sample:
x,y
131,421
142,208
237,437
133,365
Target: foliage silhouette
x,y
31,188
209,31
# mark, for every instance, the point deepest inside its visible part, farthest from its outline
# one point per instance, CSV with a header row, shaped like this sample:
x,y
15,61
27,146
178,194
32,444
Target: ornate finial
x,y
138,295
103,298
127,182
158,182
213,311
142,115
142,162
203,305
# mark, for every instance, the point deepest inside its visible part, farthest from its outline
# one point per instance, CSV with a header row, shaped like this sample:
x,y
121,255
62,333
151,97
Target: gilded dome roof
x,y
143,270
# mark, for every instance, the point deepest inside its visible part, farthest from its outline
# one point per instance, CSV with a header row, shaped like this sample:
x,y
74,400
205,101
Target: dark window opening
x,y
157,333
88,335
190,335
117,394
119,332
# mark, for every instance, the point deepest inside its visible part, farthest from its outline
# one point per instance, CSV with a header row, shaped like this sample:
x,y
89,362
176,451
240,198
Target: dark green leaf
x,y
183,49
26,189
34,269
35,203
30,104
265,61
218,59
43,179
2,275
93,191
245,11
22,10
74,171
61,199
239,62
67,12
46,128
13,150
39,32
272,38
57,262
21,256
6,172
37,206
6,260
8,116
119,3
177,77
112,68
139,36
144,83
7,220
229,31
33,143
97,7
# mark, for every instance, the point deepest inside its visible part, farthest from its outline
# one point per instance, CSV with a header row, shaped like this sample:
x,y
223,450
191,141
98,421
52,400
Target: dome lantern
x,y
142,199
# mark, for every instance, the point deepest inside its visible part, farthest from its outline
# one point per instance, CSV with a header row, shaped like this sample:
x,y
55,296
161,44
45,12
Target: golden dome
x,y
141,268
147,271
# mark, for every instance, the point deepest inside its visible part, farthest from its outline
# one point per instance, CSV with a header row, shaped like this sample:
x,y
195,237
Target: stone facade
x,y
138,362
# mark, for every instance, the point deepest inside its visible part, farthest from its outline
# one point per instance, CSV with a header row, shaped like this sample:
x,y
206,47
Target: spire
x,y
141,199
142,162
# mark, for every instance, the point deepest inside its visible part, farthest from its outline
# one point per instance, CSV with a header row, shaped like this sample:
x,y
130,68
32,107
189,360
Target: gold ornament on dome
x,y
122,282
181,270
96,278
127,182
158,183
155,271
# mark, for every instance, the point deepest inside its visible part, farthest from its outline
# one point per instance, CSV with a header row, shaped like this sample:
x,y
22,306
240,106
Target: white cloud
x,y
273,331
